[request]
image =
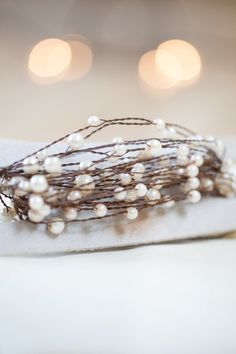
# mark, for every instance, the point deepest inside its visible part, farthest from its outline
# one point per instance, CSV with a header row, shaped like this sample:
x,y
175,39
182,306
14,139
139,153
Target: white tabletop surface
x,y
175,298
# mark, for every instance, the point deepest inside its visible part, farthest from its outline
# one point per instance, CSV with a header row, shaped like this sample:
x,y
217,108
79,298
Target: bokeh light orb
x,y
178,60
49,58
151,74
82,57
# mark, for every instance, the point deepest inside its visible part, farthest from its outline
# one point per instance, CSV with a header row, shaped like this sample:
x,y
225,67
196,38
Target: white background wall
x,y
120,32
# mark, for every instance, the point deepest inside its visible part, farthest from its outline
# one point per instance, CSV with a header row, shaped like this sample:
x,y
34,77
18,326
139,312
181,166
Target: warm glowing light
x,y
151,74
81,60
178,60
49,58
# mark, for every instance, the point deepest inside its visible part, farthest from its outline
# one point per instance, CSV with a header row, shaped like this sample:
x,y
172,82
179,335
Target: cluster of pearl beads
x,y
34,164
131,184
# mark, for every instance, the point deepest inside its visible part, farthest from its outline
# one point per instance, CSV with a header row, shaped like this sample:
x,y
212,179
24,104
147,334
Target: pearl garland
x,y
141,189
125,178
24,187
192,170
193,183
56,226
94,121
131,195
53,165
194,196
85,165
73,196
120,193
35,216
70,213
38,184
45,189
197,159
169,132
30,165
206,184
36,202
153,194
120,149
159,124
42,155
137,171
182,151
132,213
100,210
154,147
75,141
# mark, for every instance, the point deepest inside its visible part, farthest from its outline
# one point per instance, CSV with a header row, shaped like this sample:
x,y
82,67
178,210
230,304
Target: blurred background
x,y
64,60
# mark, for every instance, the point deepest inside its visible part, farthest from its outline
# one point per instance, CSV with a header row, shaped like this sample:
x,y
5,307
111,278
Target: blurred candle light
x,y
178,60
49,58
81,60
151,73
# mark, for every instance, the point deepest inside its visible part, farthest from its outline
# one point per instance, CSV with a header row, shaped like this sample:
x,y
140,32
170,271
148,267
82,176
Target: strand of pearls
x,y
123,176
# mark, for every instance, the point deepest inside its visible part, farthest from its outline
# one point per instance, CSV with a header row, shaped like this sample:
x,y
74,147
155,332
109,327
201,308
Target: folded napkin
x,y
212,216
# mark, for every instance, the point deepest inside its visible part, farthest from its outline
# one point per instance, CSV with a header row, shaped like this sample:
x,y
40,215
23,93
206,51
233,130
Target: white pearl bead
x,y
197,159
153,194
120,193
70,213
194,196
169,132
193,182
75,141
85,165
42,155
207,184
154,146
138,167
23,188
137,171
94,121
159,123
125,178
30,165
35,215
154,143
117,140
53,165
131,195
45,210
120,149
180,171
38,184
141,189
192,170
100,210
83,180
36,202
182,150
74,196
132,213
16,180
56,226
182,161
